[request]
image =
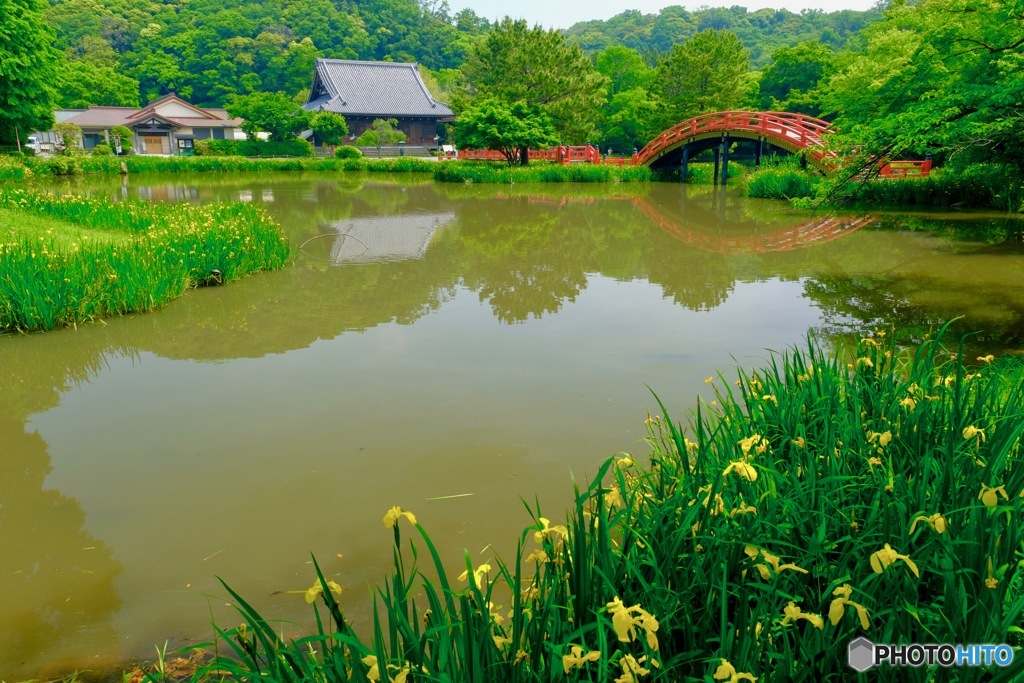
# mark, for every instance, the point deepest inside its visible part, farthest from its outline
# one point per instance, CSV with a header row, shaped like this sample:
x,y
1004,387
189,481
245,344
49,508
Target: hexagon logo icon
x,y
861,655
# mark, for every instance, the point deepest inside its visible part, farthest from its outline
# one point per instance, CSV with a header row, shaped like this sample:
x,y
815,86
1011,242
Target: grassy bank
x,y
985,186
820,498
19,169
65,260
538,172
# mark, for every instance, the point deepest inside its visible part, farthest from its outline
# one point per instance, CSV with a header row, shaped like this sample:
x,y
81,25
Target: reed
x,y
538,172
66,260
822,497
782,182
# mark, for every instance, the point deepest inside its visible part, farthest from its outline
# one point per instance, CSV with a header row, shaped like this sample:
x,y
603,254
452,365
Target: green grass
x,y
65,260
74,165
782,182
756,535
538,172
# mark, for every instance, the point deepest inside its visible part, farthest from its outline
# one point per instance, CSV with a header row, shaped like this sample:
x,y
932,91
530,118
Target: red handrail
x,y
799,130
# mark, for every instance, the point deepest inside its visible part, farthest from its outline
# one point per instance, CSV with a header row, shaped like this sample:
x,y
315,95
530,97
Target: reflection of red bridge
x,y
809,234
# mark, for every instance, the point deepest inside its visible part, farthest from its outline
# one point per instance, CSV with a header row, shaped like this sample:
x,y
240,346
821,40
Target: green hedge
x,y
253,148
538,172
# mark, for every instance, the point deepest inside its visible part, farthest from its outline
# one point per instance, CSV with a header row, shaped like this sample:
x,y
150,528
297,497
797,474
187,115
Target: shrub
x,y
102,150
62,164
14,169
347,152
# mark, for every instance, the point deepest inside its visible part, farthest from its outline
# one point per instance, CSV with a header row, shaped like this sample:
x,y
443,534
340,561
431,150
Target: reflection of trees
x,y
56,578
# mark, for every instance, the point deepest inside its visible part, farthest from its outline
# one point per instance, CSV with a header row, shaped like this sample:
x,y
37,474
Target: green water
x,y
428,342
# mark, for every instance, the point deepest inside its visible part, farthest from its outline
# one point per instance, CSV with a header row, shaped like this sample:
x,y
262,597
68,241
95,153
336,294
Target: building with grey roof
x,y
364,91
165,126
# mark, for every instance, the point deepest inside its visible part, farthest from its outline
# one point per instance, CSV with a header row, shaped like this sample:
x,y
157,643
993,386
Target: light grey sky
x,y
565,13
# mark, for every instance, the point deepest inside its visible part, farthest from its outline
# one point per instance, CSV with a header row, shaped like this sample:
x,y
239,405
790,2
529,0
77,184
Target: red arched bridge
x,y
756,131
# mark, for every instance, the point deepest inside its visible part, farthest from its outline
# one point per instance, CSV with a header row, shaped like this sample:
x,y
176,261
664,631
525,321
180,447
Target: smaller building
x,y
364,91
169,125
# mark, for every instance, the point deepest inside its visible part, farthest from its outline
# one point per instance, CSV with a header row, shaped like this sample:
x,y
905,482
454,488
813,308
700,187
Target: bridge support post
x,y
758,152
725,160
718,162
684,170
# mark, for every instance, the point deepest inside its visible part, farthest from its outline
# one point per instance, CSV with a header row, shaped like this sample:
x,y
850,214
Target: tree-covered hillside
x,y
207,50
761,32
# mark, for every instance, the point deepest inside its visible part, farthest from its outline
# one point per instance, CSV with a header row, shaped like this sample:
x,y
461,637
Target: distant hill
x,y
761,31
205,50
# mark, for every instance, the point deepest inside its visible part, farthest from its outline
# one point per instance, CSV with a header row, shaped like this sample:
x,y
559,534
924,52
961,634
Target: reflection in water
x,y
388,238
57,579
441,340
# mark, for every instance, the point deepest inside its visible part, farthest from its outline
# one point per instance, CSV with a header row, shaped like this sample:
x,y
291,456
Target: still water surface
x,y
427,342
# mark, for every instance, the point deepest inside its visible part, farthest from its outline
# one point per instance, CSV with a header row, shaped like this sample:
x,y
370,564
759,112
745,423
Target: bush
x,y
253,148
347,152
62,164
14,169
102,150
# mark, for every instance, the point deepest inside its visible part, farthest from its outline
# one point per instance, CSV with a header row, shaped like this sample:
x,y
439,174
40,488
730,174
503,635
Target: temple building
x,y
364,91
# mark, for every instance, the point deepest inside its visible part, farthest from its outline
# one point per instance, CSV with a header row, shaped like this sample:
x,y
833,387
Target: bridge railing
x,y
800,130
563,154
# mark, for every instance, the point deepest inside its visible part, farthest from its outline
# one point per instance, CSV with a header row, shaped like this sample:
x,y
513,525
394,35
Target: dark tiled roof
x,y
374,89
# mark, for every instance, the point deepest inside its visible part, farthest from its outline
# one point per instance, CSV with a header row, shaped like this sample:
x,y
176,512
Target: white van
x,y
33,143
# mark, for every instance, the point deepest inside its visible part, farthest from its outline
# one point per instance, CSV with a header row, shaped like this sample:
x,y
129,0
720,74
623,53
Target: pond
x,y
456,350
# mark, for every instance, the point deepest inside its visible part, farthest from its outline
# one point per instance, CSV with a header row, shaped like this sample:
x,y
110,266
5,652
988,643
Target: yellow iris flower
x,y
316,589
576,659
396,513
838,607
547,530
742,469
625,621
881,559
990,496
793,613
773,560
728,673
936,522
479,574
972,431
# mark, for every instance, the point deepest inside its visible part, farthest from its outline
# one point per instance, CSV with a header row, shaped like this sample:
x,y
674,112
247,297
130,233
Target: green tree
x,y
941,75
28,69
70,135
789,82
537,67
328,127
631,119
267,112
127,139
381,133
704,74
624,68
510,129
84,84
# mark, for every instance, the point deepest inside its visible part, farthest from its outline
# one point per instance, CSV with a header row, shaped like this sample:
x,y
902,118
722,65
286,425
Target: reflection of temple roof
x,y
386,238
